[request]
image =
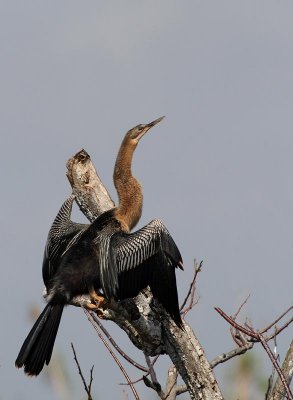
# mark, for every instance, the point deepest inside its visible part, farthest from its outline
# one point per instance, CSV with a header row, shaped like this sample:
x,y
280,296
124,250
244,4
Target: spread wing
x,y
146,257
62,235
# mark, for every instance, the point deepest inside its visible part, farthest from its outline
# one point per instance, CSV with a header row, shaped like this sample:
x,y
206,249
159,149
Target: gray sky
x,y
217,170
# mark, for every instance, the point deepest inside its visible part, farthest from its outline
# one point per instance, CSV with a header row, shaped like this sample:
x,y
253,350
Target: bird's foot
x,y
97,299
98,303
95,308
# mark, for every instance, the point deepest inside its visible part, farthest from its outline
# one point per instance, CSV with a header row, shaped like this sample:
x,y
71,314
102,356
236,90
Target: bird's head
x,y
136,133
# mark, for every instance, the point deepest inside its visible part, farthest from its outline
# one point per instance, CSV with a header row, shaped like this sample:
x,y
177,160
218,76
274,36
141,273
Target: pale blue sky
x,y
217,170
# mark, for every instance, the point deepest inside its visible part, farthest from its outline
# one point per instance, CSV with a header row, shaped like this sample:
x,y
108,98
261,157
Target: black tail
x,y
38,346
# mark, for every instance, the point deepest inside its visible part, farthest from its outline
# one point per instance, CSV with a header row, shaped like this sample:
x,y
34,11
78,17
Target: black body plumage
x,y
37,347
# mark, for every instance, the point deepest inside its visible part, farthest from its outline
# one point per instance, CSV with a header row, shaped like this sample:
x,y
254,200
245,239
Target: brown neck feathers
x,y
128,188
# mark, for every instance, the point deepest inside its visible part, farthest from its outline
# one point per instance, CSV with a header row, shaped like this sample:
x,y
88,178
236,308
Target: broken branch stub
x,y
91,195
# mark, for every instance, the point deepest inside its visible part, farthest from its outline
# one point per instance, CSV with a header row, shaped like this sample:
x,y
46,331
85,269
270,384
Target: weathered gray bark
x,y
91,195
278,392
147,325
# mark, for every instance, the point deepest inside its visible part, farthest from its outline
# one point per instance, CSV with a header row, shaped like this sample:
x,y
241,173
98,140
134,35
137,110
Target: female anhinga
x,y
104,256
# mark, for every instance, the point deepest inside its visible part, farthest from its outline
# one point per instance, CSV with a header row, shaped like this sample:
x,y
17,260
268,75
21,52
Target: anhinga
x,y
104,256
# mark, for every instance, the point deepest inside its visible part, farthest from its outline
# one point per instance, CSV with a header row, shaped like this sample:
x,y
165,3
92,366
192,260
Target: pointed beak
x,y
147,127
151,124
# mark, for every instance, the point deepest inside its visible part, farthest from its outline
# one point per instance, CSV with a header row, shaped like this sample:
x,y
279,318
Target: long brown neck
x,y
128,188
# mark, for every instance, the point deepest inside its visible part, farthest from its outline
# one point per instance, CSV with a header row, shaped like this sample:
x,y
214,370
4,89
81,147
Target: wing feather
x,y
107,265
62,235
147,257
133,249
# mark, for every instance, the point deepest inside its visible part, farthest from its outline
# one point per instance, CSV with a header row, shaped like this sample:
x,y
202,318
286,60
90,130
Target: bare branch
x,y
171,383
257,336
276,321
120,351
271,377
141,379
172,389
235,325
197,269
189,358
237,336
90,318
151,370
279,330
87,388
154,384
276,365
233,353
287,369
91,378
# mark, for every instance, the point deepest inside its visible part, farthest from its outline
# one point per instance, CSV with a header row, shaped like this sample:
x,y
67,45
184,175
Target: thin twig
x,y
132,382
276,365
87,388
257,336
234,323
277,393
238,337
120,351
272,376
147,374
197,269
249,331
91,319
279,330
151,369
276,321
270,386
154,384
91,378
233,353
241,306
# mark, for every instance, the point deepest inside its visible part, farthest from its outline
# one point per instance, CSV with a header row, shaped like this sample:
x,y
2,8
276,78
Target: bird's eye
x,y
140,128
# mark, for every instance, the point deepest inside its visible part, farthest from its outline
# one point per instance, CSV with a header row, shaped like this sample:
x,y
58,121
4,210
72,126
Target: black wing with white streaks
x,y
62,235
147,257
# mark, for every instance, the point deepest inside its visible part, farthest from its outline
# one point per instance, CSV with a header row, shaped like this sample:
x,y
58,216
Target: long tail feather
x,y
38,346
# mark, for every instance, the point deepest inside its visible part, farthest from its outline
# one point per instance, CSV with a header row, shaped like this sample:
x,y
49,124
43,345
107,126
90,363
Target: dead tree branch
x,y
276,366
87,388
115,345
91,195
257,336
90,318
147,374
278,392
172,390
231,354
151,330
191,291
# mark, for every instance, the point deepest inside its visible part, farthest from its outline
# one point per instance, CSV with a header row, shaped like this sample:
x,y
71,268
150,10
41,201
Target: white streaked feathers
x,y
140,246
